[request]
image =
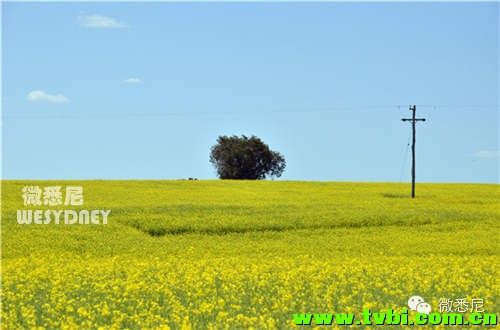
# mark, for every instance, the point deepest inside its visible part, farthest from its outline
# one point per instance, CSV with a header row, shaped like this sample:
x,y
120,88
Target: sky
x,y
143,90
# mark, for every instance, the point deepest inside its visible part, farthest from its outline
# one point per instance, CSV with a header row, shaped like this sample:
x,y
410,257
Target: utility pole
x,y
413,120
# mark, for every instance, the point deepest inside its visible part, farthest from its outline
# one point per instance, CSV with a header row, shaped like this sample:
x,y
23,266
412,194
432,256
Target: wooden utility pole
x,y
413,120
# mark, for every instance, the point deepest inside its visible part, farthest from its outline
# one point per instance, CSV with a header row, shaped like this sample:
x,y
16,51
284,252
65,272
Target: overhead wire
x,y
405,157
231,113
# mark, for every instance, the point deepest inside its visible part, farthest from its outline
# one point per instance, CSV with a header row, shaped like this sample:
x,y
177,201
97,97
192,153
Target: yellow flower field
x,y
237,255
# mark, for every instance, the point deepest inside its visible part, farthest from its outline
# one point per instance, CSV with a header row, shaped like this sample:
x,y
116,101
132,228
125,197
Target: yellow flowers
x,y
251,254
292,286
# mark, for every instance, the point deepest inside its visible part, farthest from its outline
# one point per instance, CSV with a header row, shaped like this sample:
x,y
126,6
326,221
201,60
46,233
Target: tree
x,y
245,158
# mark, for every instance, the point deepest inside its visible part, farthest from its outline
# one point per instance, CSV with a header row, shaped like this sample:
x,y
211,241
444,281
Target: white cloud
x,y
41,96
487,154
100,22
133,81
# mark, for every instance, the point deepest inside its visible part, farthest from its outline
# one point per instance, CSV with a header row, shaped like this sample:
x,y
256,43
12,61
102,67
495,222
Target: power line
x,y
232,113
174,114
405,156
459,107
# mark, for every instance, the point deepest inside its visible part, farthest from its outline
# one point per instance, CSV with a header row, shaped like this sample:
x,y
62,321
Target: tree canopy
x,y
245,158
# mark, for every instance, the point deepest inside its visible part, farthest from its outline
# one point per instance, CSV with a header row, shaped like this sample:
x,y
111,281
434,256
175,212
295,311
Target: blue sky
x,y
132,91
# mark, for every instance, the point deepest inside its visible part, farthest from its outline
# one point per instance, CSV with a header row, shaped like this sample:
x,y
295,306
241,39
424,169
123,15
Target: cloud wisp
x,y
489,154
41,96
100,22
133,80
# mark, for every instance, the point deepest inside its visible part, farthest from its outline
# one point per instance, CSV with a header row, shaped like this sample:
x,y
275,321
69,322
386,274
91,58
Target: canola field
x,y
240,254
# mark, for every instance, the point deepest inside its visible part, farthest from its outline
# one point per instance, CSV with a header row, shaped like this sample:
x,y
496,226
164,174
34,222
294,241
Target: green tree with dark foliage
x,y
245,158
